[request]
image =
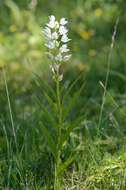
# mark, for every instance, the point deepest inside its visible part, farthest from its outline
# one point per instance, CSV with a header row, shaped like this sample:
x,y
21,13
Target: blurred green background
x,y
91,24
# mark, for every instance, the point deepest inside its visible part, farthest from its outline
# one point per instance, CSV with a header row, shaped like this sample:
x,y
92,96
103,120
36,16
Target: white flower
x,y
64,49
51,23
65,38
54,36
62,30
59,57
56,41
63,21
67,57
52,17
56,67
50,44
47,32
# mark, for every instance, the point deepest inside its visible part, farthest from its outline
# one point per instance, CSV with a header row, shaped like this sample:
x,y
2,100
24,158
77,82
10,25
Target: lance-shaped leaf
x,y
72,102
51,102
48,115
69,128
49,139
67,91
44,86
65,164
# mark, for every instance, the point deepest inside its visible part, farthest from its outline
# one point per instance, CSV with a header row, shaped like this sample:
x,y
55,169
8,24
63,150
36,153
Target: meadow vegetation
x,y
66,134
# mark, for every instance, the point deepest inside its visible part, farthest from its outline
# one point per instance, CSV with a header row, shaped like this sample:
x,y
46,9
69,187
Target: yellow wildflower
x,y
86,34
98,12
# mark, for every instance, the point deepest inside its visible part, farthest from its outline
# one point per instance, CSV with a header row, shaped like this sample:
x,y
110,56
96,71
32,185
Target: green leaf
x,y
70,128
64,165
67,92
72,102
48,115
49,139
43,84
15,11
51,103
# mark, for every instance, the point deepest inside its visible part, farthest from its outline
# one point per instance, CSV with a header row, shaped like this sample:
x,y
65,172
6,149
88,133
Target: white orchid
x,y
63,21
65,38
62,30
51,23
67,57
59,57
56,36
47,32
50,45
64,49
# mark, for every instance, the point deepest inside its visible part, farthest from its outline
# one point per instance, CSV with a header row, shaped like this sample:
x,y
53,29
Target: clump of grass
x,y
110,174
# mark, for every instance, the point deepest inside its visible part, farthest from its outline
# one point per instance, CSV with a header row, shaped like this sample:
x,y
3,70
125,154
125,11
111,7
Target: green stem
x,y
57,184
